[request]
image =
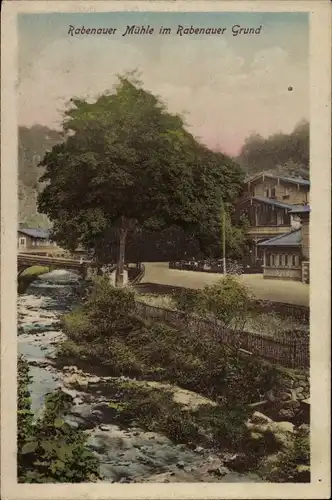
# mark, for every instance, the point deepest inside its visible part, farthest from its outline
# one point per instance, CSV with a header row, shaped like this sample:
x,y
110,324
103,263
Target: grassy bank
x,y
107,331
28,276
34,271
269,324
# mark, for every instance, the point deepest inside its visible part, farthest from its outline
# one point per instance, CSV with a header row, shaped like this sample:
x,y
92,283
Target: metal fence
x,y
285,350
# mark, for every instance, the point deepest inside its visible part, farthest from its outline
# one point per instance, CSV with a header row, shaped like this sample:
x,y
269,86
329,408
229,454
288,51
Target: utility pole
x,y
223,217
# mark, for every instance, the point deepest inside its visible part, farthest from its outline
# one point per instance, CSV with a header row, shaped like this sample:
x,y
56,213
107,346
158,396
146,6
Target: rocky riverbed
x,y
126,453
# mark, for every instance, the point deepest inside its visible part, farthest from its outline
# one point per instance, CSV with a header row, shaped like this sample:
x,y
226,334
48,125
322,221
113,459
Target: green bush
x,y
24,413
228,301
293,466
187,300
107,313
49,449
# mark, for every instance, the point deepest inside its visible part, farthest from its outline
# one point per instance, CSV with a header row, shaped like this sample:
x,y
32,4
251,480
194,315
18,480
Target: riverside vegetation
x,y
106,332
49,449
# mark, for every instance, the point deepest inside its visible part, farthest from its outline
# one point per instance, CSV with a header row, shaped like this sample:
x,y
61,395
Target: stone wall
x,y
292,400
283,273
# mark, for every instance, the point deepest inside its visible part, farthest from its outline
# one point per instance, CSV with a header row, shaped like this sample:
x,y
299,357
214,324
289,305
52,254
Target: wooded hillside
x,y
283,154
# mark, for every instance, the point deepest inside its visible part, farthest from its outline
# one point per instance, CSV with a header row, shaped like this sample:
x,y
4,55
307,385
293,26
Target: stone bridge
x,y
26,260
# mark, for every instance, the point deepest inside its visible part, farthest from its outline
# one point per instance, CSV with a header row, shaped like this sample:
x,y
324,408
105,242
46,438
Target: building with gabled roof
x,y
33,239
269,202
287,256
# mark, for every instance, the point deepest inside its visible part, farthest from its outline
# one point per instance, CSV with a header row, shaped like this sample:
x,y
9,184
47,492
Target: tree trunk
x,y
119,273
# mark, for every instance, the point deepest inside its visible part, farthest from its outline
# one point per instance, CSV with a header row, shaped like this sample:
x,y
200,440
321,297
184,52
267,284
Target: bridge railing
x,y
44,258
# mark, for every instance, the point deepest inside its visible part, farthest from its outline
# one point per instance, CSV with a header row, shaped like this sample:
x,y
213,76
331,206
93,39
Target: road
x,y
290,292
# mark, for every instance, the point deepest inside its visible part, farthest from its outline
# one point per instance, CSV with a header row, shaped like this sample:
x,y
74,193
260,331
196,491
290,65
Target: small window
x,y
273,260
273,193
22,241
281,260
293,260
286,260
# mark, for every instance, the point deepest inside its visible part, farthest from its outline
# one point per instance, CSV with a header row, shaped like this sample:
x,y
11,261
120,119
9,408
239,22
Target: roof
x,y
301,209
35,233
293,180
270,201
290,239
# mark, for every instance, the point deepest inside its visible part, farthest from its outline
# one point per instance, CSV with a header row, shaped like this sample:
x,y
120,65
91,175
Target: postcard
x,y
165,249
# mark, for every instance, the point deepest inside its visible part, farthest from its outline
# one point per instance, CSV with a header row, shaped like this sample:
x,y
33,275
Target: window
x,y
273,192
295,260
285,196
286,260
280,217
22,241
273,260
281,260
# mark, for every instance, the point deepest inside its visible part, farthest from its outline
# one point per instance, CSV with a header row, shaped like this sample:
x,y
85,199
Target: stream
x,y
126,454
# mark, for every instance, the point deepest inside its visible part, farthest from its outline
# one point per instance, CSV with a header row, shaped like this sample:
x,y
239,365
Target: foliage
x,y
227,301
24,414
128,162
107,331
49,449
156,410
187,300
237,241
283,154
292,466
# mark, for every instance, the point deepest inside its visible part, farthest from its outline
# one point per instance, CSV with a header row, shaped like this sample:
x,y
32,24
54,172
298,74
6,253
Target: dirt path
x,y
291,292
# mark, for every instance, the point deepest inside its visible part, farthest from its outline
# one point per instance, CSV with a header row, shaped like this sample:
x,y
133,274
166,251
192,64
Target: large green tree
x,y
128,162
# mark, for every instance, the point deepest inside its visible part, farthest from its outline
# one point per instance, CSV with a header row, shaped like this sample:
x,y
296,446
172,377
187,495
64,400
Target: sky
x,y
226,87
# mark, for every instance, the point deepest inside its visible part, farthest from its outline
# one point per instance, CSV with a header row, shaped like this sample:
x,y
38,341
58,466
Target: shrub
x,y
292,466
108,312
228,301
50,450
187,300
24,413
